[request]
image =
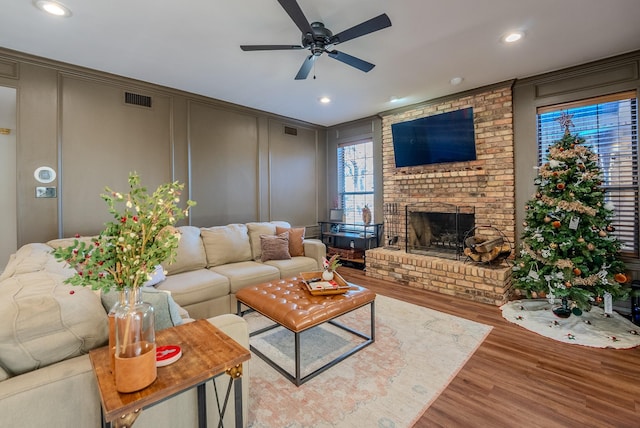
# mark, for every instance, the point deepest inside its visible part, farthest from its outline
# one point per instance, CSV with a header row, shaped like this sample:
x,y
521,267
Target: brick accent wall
x,y
487,184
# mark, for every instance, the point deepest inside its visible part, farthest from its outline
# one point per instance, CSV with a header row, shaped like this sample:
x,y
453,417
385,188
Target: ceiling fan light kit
x,y
318,39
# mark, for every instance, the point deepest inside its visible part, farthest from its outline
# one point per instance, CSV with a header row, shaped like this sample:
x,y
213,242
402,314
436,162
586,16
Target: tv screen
x,y
446,137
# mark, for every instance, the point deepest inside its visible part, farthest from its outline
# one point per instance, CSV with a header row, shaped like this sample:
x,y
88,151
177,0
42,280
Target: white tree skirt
x,y
591,328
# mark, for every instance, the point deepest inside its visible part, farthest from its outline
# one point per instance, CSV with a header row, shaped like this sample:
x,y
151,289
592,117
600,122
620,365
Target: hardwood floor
x,y
521,379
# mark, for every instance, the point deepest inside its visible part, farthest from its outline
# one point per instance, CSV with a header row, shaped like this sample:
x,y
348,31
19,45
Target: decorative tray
x,y
318,287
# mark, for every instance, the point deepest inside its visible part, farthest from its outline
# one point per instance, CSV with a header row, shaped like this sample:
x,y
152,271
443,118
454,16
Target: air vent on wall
x,y
137,99
290,130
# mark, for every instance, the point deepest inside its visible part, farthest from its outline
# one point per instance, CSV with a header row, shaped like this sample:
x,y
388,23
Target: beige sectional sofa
x,y
47,327
215,262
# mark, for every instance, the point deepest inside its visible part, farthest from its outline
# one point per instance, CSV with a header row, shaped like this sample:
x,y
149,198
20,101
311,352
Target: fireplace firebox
x,y
438,229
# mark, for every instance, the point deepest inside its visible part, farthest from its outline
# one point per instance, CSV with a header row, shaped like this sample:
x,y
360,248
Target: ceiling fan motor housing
x,y
317,41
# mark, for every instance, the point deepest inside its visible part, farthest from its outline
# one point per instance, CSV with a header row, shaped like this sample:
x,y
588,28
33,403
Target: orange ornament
x,y
556,224
620,277
577,272
560,186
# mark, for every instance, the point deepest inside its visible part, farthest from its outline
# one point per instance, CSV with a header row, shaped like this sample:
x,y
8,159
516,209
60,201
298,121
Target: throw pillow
x,y
275,247
296,239
166,312
156,277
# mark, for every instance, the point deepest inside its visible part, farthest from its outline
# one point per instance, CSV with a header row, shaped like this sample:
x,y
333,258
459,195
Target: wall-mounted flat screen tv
x,y
445,137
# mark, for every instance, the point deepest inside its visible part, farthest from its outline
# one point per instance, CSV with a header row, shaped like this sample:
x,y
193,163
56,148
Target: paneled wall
x,y
237,163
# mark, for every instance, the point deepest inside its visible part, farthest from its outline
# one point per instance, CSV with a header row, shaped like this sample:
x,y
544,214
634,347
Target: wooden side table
x,y
206,353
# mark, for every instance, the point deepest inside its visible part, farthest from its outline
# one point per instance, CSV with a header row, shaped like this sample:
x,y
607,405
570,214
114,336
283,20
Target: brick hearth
x,y
479,283
487,184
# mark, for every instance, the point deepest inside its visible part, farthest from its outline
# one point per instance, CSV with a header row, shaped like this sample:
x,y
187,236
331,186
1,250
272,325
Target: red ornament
x,y
72,292
560,186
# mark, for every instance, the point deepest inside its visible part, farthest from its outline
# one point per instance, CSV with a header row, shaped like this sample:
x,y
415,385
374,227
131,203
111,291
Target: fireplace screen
x,y
438,229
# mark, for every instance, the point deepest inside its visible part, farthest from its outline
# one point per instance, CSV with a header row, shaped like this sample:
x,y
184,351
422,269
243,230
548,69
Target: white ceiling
x,y
193,45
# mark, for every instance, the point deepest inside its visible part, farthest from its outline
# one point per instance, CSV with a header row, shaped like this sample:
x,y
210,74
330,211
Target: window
x,y
609,125
355,180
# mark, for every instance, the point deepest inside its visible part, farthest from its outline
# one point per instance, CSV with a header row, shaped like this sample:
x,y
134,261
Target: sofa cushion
x,y
294,266
45,321
280,223
255,230
166,312
197,286
275,247
190,254
247,273
296,239
226,244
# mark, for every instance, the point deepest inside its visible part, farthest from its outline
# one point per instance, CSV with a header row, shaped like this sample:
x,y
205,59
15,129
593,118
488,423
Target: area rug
x,y
390,383
592,328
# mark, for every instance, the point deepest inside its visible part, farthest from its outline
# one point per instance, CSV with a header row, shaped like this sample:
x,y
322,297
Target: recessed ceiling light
x,y
324,100
53,7
512,37
456,80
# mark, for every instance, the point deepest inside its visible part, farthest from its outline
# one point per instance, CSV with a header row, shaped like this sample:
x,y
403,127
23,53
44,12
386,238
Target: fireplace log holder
x,y
486,245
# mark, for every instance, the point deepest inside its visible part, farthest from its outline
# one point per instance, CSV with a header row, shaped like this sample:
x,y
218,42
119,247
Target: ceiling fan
x,y
319,39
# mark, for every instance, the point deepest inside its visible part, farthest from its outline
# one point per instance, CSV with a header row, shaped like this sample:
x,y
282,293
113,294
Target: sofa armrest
x,y
66,394
315,249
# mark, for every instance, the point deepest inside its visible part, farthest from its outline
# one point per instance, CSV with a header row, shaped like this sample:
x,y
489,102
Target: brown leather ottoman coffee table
x,y
290,305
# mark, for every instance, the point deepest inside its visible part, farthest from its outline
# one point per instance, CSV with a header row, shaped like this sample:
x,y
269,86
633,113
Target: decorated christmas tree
x,y
568,249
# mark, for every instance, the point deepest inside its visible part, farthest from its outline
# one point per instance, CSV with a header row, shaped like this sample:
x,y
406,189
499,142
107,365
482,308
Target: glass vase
x,y
112,329
135,350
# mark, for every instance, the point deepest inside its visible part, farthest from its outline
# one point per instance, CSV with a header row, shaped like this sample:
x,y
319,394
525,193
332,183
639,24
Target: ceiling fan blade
x,y
296,14
352,61
269,47
306,67
374,24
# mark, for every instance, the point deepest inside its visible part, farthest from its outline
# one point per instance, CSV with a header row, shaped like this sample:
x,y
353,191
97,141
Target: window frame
x,y
353,215
630,215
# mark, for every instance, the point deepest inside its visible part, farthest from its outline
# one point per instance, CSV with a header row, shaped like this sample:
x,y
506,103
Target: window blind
x,y
609,126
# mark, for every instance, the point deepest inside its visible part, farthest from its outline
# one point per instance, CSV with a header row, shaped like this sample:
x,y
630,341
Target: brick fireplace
x,y
487,185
